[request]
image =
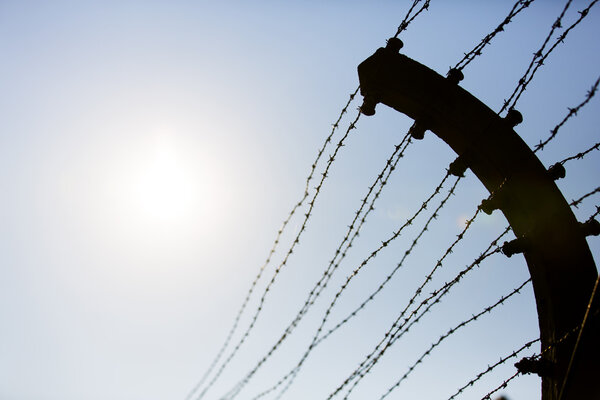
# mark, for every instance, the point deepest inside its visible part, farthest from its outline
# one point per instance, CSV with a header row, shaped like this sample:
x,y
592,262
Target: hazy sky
x,y
150,151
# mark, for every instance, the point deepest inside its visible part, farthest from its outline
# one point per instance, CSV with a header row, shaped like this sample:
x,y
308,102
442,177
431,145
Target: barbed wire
x,y
400,327
490,368
292,374
581,154
519,6
351,234
317,339
401,262
503,360
595,214
503,385
539,57
272,251
576,203
408,18
311,204
572,112
451,332
538,54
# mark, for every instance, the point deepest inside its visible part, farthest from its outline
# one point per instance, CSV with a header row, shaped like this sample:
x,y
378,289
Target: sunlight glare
x,y
165,191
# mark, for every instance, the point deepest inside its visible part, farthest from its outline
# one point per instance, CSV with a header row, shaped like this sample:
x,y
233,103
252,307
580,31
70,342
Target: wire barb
x,y
576,203
451,332
285,223
351,234
282,264
519,6
572,112
539,56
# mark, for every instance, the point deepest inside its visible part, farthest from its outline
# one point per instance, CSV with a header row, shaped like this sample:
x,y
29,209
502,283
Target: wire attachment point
x,y
458,167
417,130
513,117
557,171
590,227
516,246
455,75
532,365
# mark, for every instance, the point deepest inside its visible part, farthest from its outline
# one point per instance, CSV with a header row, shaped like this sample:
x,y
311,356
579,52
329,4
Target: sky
x,y
150,151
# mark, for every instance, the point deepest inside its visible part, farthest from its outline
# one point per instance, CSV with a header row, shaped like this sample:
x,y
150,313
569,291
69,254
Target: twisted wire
x,y
403,26
317,339
311,204
490,368
572,112
576,203
581,154
503,385
340,252
292,374
399,328
538,54
595,214
539,58
519,6
451,332
538,356
408,18
271,252
401,262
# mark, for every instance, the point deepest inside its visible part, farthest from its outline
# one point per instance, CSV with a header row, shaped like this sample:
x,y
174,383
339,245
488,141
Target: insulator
x,y
557,171
394,45
489,205
590,227
513,117
519,245
368,106
455,75
540,367
417,130
458,167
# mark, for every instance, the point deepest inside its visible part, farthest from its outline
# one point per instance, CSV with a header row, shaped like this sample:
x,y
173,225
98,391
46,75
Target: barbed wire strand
x,y
578,340
576,203
503,385
539,60
414,243
397,325
519,6
408,18
581,155
537,55
490,368
246,300
538,356
351,234
307,215
450,332
399,328
292,374
403,26
317,339
572,112
595,214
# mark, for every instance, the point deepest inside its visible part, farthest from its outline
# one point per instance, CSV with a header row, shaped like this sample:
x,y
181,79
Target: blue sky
x,y
151,150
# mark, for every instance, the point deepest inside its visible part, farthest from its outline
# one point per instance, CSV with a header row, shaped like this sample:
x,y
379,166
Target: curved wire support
x,y
559,260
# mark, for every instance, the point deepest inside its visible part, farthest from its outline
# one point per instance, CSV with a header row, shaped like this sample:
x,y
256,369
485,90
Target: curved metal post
x,y
558,257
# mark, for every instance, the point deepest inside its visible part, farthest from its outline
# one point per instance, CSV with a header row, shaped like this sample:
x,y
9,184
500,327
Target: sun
x,y
164,190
